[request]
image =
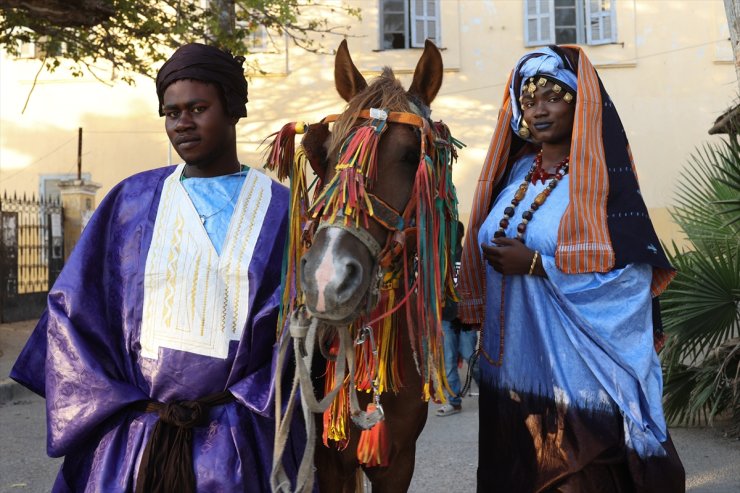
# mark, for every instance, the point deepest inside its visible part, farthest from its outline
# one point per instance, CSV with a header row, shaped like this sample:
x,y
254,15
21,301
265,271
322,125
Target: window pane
x,y
392,6
565,35
418,7
420,34
393,23
432,30
565,17
565,3
545,29
532,29
394,41
607,26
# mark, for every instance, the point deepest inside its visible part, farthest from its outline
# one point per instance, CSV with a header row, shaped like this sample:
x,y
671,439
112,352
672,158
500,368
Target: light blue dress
x,y
578,359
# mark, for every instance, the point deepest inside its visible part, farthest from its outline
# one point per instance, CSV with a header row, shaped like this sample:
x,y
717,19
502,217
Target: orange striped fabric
x,y
584,244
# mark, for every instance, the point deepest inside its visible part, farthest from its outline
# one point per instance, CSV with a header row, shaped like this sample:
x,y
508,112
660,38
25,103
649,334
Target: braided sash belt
x,y
167,461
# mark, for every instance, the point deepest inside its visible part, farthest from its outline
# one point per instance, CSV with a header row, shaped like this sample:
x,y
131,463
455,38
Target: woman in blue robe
x,y
562,281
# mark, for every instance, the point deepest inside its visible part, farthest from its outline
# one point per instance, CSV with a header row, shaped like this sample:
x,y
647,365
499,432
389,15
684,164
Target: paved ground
x,y
446,452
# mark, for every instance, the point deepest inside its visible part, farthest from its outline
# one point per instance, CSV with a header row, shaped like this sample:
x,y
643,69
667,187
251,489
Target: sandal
x,y
449,409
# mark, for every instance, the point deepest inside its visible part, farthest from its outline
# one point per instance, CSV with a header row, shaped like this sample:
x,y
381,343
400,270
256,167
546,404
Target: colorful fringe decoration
x,y
426,230
355,173
336,416
287,162
385,369
373,449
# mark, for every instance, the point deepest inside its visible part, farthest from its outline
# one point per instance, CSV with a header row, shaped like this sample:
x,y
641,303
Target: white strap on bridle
x,y
303,331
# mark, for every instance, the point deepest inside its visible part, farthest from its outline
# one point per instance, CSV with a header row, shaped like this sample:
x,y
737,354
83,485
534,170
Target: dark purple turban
x,y
208,64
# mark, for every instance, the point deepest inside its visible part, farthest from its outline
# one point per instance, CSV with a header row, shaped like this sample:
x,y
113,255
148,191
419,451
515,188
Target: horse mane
x,y
383,92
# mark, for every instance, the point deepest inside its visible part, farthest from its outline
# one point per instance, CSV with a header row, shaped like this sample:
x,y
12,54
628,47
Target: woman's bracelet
x,y
534,262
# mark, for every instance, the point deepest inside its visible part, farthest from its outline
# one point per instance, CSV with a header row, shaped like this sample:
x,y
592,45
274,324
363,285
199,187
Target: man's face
x,y
200,130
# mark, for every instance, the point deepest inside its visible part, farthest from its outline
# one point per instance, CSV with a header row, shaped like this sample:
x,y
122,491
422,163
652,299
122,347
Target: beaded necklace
x,y
535,173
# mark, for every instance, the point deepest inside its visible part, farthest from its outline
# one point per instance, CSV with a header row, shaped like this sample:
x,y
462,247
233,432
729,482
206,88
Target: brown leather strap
x,y
385,214
167,462
393,116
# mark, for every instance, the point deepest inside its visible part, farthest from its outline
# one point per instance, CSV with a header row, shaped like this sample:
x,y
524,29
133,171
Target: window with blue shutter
x,y
600,22
408,23
590,22
539,22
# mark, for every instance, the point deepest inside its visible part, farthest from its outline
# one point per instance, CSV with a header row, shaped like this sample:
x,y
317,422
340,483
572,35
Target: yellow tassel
x,y
373,449
336,416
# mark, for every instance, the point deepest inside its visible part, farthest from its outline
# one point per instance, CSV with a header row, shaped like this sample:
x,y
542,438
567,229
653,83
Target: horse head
x,y
370,165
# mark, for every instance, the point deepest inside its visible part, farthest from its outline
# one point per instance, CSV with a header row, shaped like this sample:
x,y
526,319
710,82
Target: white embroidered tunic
x,y
194,298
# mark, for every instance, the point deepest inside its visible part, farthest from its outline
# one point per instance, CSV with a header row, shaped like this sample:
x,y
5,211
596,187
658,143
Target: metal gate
x,y
31,254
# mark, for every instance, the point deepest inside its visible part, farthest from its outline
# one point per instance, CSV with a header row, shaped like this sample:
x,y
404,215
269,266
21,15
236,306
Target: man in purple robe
x,y
155,354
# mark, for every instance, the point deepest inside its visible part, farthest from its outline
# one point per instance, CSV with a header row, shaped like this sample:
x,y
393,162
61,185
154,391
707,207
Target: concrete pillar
x,y
78,201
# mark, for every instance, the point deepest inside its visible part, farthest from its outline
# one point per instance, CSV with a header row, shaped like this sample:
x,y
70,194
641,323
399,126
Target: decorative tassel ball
x,y
373,449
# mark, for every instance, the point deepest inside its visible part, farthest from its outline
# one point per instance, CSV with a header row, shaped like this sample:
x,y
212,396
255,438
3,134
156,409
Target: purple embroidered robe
x,y
85,357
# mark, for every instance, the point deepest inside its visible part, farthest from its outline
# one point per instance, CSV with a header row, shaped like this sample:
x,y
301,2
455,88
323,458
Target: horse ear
x,y
348,80
428,74
315,143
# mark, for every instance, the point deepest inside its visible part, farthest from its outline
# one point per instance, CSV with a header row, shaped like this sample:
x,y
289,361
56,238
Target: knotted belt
x,y
167,462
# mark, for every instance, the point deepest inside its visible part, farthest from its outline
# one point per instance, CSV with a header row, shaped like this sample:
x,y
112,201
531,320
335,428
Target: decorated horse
x,y
366,274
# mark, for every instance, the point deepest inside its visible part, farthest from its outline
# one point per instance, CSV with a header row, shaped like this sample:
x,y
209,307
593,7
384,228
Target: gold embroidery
x,y
184,282
240,258
169,294
205,297
194,289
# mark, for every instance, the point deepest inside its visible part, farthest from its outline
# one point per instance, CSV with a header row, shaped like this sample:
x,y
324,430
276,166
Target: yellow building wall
x,y
670,75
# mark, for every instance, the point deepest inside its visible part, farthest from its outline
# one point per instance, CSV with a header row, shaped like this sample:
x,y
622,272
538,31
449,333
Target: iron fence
x,y
31,254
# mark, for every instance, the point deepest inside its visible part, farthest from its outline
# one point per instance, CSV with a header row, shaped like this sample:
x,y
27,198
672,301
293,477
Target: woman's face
x,y
548,116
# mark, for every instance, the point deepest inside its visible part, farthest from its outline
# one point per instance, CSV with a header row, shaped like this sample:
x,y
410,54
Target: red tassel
x,y
282,149
373,449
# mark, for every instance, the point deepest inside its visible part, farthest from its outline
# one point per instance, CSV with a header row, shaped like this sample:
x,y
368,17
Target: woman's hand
x,y
511,257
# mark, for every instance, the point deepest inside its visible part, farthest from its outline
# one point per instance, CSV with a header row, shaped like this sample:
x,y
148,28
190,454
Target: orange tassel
x,y
373,449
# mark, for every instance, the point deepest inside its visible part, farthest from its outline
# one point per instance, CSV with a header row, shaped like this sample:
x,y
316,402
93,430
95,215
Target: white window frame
x,y
601,17
413,38
591,20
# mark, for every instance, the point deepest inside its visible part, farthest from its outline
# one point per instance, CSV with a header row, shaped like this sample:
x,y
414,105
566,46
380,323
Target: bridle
x,y
399,225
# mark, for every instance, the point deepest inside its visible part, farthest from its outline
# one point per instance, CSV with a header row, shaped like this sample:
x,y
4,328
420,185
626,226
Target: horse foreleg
x,y
404,429
332,473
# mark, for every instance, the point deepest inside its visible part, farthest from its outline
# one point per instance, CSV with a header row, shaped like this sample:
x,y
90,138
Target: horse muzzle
x,y
335,276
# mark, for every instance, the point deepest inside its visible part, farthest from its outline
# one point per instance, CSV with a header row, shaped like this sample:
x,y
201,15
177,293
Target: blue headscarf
x,y
543,61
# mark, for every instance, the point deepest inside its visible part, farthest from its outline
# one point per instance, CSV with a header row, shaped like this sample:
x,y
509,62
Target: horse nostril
x,y
306,282
351,278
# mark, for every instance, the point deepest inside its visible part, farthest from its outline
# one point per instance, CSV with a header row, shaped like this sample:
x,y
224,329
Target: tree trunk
x,y
732,8
226,15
